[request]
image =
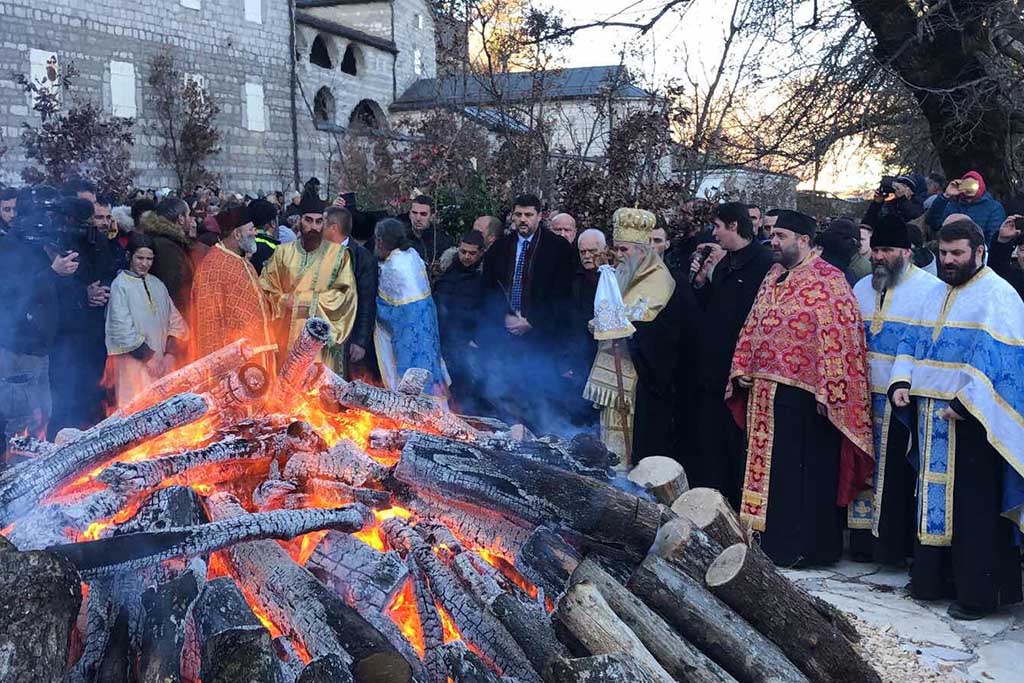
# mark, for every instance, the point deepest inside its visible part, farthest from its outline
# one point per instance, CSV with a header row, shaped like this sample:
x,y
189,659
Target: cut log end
x,y
727,566
663,477
711,512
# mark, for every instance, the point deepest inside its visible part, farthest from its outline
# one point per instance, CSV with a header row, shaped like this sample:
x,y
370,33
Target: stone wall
x,y
236,57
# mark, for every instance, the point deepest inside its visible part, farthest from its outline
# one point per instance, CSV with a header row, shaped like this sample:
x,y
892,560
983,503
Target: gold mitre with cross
x,y
633,225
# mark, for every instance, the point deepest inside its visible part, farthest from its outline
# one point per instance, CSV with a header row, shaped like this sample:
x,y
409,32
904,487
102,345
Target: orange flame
x,y
451,631
402,611
505,565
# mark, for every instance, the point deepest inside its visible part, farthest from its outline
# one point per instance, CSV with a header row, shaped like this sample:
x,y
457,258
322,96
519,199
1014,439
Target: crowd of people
x,y
825,375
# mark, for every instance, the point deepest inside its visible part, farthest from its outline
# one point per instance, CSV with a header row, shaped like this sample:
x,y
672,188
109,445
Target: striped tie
x,y
516,297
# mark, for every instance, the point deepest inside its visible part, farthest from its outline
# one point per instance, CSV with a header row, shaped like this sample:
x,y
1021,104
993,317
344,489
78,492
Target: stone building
x,y
352,60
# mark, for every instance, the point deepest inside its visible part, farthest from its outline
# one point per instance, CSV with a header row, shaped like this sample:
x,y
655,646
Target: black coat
x,y
547,283
29,316
430,244
1000,259
364,267
459,295
726,300
907,209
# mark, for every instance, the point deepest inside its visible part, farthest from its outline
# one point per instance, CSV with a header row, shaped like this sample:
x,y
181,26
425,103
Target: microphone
x,y
702,258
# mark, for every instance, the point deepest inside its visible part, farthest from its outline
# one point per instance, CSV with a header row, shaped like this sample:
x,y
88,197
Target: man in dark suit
x,y
529,278
338,228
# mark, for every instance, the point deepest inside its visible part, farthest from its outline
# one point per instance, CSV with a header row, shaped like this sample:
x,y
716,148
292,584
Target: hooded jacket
x,y
171,262
983,209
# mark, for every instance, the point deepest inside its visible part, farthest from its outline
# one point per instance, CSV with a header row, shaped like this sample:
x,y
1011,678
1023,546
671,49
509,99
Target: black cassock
x,y
803,525
653,350
897,514
981,569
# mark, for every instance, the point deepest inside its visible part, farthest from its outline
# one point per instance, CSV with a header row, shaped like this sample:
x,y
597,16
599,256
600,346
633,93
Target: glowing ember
x,y
505,565
402,611
451,631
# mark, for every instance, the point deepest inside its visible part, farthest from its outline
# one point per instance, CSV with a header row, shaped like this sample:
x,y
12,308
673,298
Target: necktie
x,y
516,297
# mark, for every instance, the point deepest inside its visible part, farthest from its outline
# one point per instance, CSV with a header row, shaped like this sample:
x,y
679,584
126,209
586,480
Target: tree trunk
x,y
746,580
944,64
687,547
709,624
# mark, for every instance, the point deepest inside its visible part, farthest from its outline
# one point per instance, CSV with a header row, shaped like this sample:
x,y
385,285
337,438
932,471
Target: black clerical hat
x,y
798,222
890,231
311,204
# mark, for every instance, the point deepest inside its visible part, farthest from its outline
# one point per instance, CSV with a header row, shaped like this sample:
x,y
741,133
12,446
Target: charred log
x,y
709,624
466,667
302,354
326,669
745,579
531,491
352,568
340,493
163,633
115,666
547,561
436,668
321,620
675,654
473,525
233,645
418,410
50,524
345,462
23,487
479,627
109,556
40,596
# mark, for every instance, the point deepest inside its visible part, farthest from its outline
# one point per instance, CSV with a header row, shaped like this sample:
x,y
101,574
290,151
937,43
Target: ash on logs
x,y
463,550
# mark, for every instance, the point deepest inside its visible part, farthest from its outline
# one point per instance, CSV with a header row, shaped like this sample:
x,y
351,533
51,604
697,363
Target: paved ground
x,y
988,651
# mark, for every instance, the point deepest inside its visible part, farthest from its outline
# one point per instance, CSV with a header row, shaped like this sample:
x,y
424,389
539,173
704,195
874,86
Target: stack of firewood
x,y
468,552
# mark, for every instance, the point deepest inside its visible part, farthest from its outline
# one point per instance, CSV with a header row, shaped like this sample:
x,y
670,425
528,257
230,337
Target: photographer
x,y
968,195
894,196
33,265
1000,256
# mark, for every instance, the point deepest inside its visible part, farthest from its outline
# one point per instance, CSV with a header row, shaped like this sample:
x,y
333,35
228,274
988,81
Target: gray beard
x,y
884,277
247,245
626,271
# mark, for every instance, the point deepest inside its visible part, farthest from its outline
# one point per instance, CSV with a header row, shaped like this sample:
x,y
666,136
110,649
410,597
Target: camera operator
x,y
78,354
894,196
33,264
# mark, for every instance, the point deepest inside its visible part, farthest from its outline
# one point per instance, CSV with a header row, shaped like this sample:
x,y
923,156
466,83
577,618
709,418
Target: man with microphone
x,y
739,262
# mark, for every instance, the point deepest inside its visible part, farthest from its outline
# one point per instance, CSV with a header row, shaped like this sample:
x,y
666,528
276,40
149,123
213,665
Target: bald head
x,y
564,225
954,217
490,227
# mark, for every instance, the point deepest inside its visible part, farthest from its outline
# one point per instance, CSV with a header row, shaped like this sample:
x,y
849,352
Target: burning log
x,y
478,626
613,668
417,410
292,597
584,454
28,447
466,667
40,596
326,669
547,561
49,525
533,492
587,616
115,665
680,542
436,668
663,477
193,377
109,556
709,624
288,659
351,568
676,655
110,601
303,353
528,622
232,646
163,635
345,462
22,487
474,525
711,513
338,493
745,579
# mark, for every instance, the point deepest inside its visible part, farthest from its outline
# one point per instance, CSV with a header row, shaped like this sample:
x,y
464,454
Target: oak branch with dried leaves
x,y
309,529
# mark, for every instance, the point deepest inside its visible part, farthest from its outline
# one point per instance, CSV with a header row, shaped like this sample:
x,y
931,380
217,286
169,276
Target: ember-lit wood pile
x,y
229,527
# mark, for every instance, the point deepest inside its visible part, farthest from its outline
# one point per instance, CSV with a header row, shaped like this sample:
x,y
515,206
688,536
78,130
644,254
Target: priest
x,y
631,378
882,519
311,277
963,377
227,300
799,385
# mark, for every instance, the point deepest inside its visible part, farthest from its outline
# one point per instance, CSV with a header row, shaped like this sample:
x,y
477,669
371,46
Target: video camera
x,y
47,218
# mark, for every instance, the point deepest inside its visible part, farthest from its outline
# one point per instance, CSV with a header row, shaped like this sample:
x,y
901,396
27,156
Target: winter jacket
x,y
907,209
459,294
985,211
171,262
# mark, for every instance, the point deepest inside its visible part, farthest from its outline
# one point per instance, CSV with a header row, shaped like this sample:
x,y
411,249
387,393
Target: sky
x,y
695,33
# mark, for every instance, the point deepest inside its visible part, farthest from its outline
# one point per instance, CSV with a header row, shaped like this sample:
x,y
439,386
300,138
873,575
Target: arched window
x,y
323,107
367,115
348,62
319,54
